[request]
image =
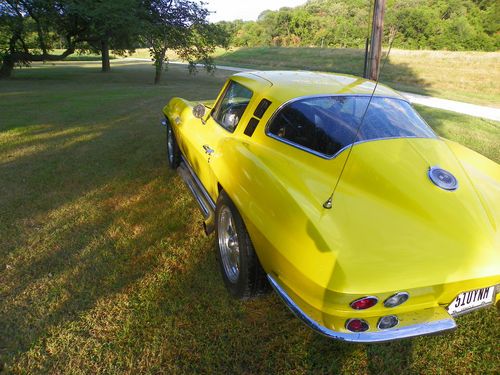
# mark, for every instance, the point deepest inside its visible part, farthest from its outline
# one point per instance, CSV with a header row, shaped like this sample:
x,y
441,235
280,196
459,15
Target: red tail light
x,y
364,303
356,325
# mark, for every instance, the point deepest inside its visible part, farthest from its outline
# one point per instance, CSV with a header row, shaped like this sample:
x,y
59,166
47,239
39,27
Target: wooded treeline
x,y
420,24
30,30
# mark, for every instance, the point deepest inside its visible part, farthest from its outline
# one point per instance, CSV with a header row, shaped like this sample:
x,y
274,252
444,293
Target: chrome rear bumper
x,y
391,334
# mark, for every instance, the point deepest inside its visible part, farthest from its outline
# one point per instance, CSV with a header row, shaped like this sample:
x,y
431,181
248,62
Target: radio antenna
x,y
328,202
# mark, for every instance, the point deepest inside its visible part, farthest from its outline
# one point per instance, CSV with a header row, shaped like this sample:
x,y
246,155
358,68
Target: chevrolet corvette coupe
x,y
335,192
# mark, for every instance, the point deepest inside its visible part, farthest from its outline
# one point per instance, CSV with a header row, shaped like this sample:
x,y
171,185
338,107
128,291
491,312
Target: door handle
x,y
208,150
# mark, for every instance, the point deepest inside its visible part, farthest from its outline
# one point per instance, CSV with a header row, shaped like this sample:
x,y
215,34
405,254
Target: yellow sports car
x,y
367,224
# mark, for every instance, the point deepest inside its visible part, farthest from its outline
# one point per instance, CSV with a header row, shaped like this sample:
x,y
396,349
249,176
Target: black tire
x,y
173,152
250,279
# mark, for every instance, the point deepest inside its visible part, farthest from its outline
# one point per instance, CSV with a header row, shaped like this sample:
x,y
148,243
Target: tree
x,y
181,26
231,30
28,29
109,25
434,24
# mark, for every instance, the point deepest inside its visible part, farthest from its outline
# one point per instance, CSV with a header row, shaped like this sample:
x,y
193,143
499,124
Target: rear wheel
x,y
241,271
173,152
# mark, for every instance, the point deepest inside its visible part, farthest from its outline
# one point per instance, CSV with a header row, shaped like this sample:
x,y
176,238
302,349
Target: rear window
x,y
325,125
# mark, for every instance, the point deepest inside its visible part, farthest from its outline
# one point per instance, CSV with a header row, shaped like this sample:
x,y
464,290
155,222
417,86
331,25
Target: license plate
x,y
471,300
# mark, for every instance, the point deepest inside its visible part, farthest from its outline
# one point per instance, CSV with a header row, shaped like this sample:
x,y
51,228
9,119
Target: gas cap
x,y
442,178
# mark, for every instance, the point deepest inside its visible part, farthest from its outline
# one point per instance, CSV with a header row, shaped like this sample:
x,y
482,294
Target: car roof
x,y
284,85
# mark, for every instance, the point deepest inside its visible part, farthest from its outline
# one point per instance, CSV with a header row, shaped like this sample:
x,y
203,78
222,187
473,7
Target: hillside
x,y
419,24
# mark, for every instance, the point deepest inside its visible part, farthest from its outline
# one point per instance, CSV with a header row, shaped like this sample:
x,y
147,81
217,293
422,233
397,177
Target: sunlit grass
x,y
104,267
465,76
478,134
142,53
83,56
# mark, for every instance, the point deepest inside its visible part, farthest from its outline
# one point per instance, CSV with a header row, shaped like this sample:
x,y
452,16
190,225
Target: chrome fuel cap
x,y
442,178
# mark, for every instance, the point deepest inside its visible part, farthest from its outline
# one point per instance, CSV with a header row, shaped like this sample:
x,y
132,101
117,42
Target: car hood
x,y
390,222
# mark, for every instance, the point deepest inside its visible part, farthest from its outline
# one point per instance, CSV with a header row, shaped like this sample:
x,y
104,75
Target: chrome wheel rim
x,y
228,244
170,146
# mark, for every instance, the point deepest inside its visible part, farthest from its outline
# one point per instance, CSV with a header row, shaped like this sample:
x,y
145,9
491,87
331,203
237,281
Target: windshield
x,y
327,124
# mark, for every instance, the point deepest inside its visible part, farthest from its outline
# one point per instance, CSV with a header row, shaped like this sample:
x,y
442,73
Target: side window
x,y
231,107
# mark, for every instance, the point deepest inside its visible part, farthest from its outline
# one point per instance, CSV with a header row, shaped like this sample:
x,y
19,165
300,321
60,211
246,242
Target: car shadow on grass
x,y
187,322
203,330
390,358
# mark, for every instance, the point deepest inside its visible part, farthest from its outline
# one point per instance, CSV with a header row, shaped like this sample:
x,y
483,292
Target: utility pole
x,y
376,39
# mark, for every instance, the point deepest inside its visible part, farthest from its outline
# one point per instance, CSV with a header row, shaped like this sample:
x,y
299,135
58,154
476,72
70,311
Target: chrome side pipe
x,y
200,194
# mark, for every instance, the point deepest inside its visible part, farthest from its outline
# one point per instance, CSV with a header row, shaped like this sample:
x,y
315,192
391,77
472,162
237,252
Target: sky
x,y
247,10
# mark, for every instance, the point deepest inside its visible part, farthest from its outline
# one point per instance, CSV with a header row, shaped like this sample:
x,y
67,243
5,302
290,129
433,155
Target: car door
x,y
219,125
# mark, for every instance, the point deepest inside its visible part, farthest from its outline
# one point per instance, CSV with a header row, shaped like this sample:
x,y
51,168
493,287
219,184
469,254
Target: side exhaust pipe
x,y
205,202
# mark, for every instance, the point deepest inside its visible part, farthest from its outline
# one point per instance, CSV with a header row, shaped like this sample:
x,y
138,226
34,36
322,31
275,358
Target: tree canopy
x,y
108,25
31,29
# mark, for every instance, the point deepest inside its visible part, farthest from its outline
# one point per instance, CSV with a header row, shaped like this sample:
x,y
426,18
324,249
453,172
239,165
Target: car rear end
x,y
411,239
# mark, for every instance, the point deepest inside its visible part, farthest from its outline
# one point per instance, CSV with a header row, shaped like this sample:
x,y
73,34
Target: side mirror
x,y
199,110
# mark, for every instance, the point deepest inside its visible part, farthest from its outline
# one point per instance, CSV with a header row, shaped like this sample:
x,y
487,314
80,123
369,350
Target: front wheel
x,y
173,152
240,268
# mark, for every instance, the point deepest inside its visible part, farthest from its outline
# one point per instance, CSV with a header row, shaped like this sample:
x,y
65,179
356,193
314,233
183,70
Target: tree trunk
x,y
159,59
7,67
106,66
24,58
158,71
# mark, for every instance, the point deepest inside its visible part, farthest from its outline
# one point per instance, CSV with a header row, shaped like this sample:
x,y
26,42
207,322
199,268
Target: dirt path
x,y
454,106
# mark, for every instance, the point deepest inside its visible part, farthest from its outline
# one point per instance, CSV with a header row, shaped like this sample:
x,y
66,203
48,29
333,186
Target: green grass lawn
x,y
104,267
82,56
465,76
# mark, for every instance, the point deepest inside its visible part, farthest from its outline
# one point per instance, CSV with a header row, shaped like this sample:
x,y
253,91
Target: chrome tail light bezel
x,y
401,296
